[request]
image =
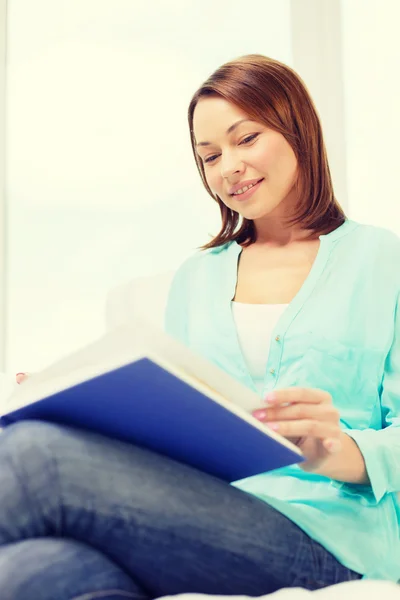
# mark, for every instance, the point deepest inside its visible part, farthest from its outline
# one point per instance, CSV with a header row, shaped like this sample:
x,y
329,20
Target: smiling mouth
x,y
246,188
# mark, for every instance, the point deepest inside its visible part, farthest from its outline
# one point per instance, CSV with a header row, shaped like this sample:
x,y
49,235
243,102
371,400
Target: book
x,y
139,385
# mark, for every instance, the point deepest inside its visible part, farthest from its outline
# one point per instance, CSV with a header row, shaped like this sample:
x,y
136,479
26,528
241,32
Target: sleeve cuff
x,y
373,493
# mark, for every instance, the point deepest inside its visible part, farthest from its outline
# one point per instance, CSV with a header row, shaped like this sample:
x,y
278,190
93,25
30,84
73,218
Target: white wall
x,y
371,67
89,185
3,223
101,184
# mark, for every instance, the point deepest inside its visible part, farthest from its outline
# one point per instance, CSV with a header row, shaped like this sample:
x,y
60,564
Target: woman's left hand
x,y
307,418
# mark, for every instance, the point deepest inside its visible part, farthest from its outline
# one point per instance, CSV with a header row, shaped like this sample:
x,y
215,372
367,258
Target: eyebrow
x,y
228,131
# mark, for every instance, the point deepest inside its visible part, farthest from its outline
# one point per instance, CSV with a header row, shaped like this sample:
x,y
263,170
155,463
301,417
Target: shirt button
x,y
272,371
278,337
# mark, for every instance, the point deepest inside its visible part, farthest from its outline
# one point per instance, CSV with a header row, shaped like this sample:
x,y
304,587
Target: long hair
x,y
273,94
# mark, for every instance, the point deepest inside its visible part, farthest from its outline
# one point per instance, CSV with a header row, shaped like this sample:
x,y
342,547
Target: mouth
x,y
247,191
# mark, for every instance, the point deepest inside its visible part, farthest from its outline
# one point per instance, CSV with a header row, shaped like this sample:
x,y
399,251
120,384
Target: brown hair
x,y
273,94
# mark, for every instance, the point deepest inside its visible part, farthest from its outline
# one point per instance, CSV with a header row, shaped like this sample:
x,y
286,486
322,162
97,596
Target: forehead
x,y
213,116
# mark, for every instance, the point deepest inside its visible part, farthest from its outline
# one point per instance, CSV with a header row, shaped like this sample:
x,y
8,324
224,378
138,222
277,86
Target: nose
x,y
231,165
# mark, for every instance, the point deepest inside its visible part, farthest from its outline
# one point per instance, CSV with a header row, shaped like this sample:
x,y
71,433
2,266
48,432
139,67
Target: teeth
x,y
243,190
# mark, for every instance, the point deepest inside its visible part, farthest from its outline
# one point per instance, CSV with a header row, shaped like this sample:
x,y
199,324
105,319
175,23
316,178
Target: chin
x,y
254,214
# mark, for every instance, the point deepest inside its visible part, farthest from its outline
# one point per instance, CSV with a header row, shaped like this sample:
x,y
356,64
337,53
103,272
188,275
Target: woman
x,y
82,514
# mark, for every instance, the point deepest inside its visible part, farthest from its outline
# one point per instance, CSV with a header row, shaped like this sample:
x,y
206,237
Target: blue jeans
x,y
84,517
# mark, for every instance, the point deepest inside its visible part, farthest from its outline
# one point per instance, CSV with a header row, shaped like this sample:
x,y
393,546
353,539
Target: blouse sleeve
x,y
381,448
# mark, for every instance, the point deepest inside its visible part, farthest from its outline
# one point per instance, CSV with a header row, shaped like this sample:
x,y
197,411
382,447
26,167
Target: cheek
x,y
263,159
214,180
282,166
289,167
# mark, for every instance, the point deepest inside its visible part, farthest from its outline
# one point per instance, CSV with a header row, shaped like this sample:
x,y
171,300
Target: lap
x,y
168,523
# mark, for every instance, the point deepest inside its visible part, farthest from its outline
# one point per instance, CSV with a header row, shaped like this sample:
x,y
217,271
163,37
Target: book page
x,y
128,344
109,352
123,346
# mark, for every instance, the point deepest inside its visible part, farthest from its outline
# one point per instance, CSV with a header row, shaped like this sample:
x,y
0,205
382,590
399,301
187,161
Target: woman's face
x,y
237,154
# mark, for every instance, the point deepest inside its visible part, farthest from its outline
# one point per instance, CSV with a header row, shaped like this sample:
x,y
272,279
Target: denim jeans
x,y
84,517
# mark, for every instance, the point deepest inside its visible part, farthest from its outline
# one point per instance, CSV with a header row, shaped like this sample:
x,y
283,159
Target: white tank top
x,y
254,325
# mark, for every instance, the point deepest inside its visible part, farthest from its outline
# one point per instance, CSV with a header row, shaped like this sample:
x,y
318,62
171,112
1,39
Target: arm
x,y
373,456
351,458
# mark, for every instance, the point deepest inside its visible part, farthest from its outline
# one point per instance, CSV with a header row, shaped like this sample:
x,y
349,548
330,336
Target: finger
x,y
293,412
306,427
296,395
20,377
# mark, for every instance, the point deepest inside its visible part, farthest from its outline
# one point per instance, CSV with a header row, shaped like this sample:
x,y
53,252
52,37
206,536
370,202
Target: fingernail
x,y
260,414
270,398
273,426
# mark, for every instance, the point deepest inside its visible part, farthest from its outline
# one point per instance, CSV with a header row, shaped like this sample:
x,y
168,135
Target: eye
x,y
246,140
210,158
249,138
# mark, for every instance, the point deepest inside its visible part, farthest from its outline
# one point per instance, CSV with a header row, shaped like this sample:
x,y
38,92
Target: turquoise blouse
x,y
341,333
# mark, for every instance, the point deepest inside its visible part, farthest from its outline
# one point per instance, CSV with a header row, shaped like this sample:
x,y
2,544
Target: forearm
x,y
347,465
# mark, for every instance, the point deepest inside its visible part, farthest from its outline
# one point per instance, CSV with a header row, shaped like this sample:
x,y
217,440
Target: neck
x,y
273,229
274,232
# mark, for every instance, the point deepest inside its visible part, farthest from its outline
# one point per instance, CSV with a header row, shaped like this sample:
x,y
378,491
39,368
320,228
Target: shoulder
x,y
192,278
378,238
376,250
373,242
203,263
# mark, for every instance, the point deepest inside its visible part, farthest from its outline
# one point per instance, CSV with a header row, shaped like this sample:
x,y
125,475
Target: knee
x,y
60,568
30,440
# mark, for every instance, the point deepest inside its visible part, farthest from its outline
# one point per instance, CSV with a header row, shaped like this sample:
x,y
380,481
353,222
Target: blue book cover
x,y
140,386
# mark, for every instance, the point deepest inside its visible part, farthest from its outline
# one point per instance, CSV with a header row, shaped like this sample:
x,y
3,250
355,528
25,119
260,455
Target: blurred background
x,y
97,181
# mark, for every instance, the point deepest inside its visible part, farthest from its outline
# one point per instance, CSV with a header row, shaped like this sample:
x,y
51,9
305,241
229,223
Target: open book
x,y
138,384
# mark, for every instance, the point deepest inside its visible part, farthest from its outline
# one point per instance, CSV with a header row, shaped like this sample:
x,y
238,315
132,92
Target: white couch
x,y
352,590
145,296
